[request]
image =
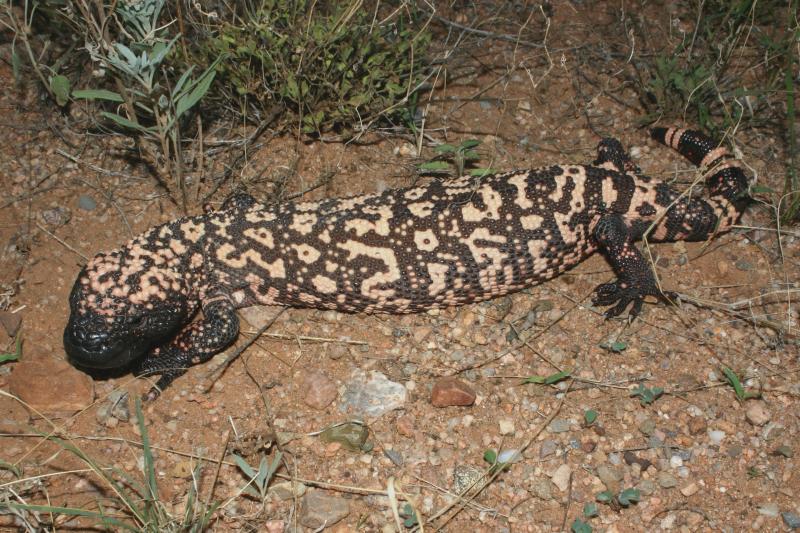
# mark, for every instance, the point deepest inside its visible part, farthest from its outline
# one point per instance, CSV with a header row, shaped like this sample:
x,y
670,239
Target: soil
x,y
701,459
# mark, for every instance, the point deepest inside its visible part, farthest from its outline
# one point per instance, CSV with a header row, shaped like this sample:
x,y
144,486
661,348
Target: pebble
x,y
318,390
288,490
542,488
757,414
86,202
769,509
716,436
115,409
666,480
51,385
372,396
647,427
548,448
405,425
559,425
464,477
690,490
792,520
451,391
610,477
318,510
647,487
561,477
57,216
350,435
676,461
506,426
394,456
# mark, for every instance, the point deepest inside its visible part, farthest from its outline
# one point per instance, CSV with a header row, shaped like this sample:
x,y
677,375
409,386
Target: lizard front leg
x,y
635,278
197,343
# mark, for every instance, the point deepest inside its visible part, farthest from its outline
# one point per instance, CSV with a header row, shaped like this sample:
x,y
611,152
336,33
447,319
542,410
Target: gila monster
x,y
447,243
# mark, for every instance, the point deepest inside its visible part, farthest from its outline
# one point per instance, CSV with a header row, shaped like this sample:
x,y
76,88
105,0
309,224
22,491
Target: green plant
x,y
258,481
16,354
135,505
552,379
738,388
625,498
329,64
453,159
647,395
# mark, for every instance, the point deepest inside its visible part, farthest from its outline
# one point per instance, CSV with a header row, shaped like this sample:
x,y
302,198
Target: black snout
x,y
88,345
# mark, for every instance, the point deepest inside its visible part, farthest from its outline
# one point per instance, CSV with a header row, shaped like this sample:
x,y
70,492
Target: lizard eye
x,y
136,321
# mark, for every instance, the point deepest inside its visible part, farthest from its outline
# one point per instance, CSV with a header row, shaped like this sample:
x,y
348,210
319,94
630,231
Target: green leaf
x,y
590,510
97,94
122,121
558,376
445,149
16,354
490,456
589,416
471,155
104,519
761,189
248,470
199,89
579,526
616,346
434,165
628,496
469,143
60,86
605,496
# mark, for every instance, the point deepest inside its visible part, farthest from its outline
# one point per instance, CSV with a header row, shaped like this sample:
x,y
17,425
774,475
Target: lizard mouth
x,y
96,350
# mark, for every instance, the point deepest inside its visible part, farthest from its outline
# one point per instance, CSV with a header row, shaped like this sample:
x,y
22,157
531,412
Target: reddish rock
x,y
451,391
51,385
318,390
405,425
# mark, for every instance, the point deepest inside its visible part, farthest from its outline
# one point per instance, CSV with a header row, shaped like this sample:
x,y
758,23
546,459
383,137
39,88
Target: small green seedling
x,y
579,526
647,395
409,516
625,498
548,380
258,481
738,388
589,417
16,354
457,157
490,456
590,510
616,346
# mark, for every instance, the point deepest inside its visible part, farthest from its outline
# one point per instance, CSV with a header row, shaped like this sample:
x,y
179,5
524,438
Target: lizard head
x,y
126,302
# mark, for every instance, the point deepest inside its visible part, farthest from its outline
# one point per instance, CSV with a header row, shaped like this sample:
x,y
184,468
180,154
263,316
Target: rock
x,y
287,490
757,414
405,425
259,316
351,435
506,426
10,322
394,456
56,216
318,510
647,487
115,409
792,520
542,488
676,461
86,202
610,477
372,396
558,425
548,448
697,425
666,480
51,385
451,391
769,509
561,477
647,427
690,490
465,477
716,436
318,390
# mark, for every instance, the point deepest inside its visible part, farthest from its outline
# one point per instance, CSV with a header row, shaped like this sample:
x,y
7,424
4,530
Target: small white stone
x,y
506,426
561,476
716,436
676,461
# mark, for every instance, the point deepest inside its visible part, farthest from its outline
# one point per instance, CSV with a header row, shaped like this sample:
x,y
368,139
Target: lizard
x,y
404,250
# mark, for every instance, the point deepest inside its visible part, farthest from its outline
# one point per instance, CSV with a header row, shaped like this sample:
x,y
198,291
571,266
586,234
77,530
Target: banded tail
x,y
727,180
